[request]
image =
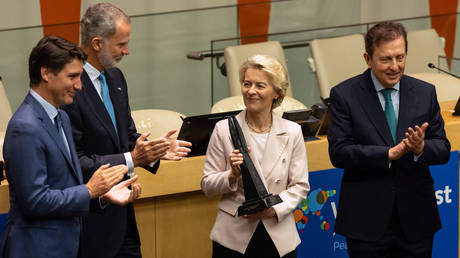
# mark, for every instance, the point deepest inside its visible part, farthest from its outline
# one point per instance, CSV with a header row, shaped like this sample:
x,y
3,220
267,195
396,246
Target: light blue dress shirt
x,y
94,74
394,98
394,94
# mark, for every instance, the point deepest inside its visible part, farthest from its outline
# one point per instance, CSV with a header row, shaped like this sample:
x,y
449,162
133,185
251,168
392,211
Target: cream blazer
x,y
283,171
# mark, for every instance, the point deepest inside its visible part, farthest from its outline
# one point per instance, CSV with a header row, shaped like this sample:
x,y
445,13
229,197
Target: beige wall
x,y
20,13
137,7
377,10
158,73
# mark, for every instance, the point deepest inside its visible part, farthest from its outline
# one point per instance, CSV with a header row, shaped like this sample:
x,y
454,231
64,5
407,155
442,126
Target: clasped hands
x,y
414,142
147,151
105,183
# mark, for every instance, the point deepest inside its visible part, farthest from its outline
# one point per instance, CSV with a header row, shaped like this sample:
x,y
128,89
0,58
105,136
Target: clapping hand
x,y
104,178
147,151
177,148
120,194
415,139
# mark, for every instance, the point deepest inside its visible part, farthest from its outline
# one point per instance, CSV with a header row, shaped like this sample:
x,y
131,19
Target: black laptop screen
x,y
198,130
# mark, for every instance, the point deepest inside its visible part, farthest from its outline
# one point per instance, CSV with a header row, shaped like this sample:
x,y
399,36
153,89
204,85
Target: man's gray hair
x,y
100,20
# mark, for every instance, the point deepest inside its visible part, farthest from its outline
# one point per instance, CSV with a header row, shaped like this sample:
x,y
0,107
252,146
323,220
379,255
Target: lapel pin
x,y
119,89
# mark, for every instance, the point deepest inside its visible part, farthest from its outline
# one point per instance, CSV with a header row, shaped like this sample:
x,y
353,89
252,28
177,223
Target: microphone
x,y
432,66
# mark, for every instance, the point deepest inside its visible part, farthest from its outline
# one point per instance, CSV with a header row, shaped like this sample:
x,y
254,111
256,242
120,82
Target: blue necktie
x,y
390,112
107,101
58,123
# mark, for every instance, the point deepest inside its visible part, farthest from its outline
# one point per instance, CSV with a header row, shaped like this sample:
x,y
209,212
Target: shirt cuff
x,y
103,204
153,163
416,157
129,163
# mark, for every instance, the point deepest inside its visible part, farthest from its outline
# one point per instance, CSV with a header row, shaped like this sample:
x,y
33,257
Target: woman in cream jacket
x,y
278,152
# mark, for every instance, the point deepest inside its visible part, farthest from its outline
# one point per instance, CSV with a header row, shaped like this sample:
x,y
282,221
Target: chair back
x,y
337,59
237,103
5,108
2,139
424,46
447,87
235,56
156,121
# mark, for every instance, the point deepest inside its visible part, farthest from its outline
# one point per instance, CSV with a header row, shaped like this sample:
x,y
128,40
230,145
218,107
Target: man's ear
x,y
97,43
45,73
367,58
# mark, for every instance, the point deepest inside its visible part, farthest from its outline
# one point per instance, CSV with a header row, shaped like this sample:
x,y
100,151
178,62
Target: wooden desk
x,y
173,216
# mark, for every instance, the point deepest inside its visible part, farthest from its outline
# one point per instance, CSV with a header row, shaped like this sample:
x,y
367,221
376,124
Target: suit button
x,y
284,160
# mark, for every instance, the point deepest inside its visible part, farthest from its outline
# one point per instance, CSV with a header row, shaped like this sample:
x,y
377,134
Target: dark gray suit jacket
x,y
97,144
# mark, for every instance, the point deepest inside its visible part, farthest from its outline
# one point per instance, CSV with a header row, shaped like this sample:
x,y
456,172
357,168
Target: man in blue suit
x,y
47,194
385,131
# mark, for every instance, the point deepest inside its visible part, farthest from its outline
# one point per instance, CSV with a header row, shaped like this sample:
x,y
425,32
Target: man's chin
x,y
393,80
68,101
114,64
109,63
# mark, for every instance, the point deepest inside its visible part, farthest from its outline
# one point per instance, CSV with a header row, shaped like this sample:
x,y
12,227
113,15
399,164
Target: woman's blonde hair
x,y
275,71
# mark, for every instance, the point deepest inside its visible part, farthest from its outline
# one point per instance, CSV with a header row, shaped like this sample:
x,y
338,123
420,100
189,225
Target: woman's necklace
x,y
264,130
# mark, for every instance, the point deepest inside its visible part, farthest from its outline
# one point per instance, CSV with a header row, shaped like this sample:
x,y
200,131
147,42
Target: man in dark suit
x,y
47,194
104,131
386,129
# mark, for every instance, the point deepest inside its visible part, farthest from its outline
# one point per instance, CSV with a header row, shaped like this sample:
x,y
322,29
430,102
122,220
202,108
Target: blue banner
x,y
315,216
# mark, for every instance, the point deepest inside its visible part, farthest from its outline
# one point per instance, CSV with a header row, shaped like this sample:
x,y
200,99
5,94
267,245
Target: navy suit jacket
x,y
46,192
359,140
97,144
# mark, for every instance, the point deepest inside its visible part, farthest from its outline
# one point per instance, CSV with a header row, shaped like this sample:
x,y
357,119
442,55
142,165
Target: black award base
x,y
258,204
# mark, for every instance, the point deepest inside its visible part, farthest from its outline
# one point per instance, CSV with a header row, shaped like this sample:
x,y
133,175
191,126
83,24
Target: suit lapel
x,y
116,95
73,152
51,129
98,107
276,144
367,97
407,108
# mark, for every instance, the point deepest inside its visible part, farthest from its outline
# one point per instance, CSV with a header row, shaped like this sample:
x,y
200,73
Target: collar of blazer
x,y
276,144
50,128
93,100
370,103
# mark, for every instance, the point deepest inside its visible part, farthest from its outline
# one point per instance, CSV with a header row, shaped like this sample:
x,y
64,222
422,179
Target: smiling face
x,y
258,93
61,87
116,46
388,61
